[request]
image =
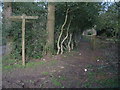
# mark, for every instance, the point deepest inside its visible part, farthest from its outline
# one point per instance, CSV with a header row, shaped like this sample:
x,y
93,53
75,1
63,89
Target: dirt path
x,y
71,70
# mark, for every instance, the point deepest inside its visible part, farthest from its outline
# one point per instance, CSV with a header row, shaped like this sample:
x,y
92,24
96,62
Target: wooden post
x,y
23,40
23,17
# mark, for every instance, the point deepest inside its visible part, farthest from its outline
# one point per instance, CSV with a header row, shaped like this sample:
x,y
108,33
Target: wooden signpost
x,y
23,18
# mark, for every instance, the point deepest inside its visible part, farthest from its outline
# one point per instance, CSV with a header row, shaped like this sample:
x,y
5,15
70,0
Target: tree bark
x,y
7,12
69,48
72,45
65,37
58,43
50,28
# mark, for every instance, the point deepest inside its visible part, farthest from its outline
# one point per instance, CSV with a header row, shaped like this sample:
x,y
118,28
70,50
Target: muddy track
x,y
69,71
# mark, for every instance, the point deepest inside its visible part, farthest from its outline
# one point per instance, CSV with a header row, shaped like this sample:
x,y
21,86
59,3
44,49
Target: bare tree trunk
x,y
58,43
7,12
50,28
65,37
72,45
63,42
69,48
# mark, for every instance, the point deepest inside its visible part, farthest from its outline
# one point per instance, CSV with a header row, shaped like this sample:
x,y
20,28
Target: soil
x,y
70,70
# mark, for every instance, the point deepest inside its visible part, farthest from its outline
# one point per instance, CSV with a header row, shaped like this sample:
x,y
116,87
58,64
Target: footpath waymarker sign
x,y
23,18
